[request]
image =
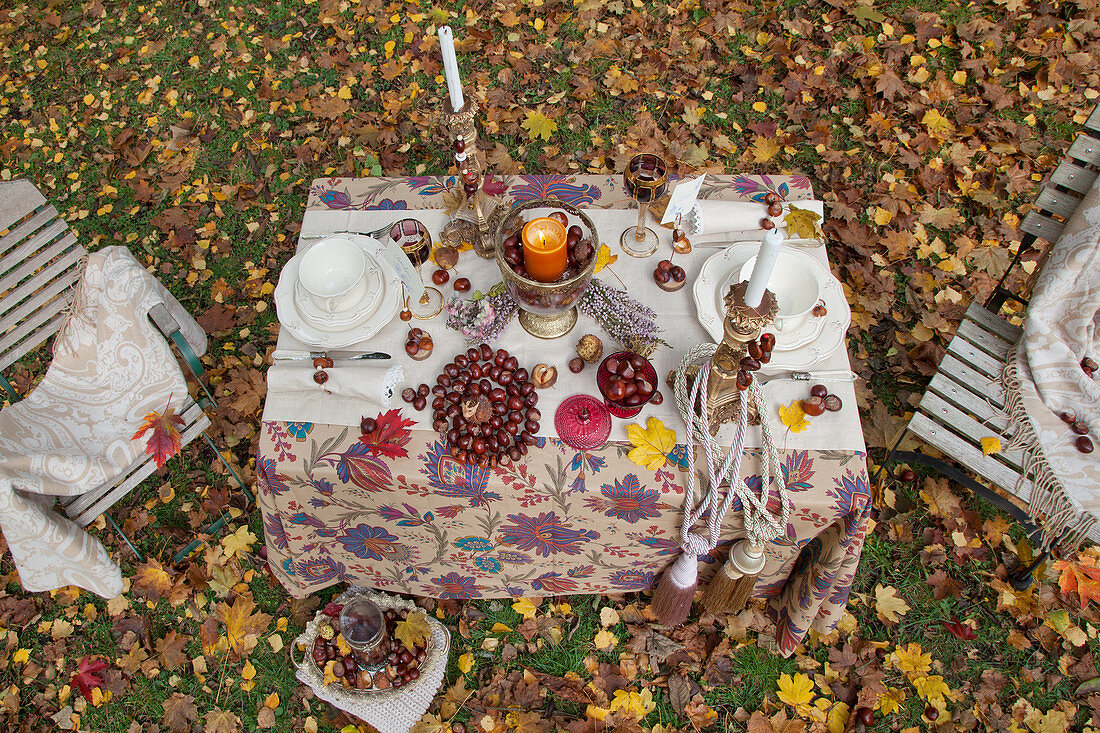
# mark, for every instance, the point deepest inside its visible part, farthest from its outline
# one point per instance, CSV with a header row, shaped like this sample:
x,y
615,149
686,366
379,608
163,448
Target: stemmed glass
x,y
645,179
416,242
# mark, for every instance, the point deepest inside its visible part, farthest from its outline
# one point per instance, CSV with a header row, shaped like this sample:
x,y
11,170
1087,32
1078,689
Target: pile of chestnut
x,y
1082,441
820,400
485,405
759,354
579,250
626,384
402,663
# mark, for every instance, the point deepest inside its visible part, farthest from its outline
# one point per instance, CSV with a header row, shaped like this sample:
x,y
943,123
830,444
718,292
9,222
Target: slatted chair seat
x,y
964,400
40,262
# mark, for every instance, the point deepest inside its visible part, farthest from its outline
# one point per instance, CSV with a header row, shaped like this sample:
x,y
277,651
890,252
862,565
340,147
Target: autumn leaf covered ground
x,y
190,130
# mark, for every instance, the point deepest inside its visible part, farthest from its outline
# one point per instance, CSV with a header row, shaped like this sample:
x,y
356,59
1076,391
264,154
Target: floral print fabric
x,y
391,510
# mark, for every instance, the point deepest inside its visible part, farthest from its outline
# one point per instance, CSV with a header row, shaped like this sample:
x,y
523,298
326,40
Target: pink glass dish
x,y
582,422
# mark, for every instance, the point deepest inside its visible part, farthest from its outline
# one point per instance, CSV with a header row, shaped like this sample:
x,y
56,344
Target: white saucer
x,y
367,321
339,320
801,347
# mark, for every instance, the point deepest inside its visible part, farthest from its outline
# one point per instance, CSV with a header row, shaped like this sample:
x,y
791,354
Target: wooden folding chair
x,y
958,408
40,262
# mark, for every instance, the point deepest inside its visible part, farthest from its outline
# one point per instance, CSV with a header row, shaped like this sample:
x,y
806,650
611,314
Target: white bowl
x,y
796,285
331,273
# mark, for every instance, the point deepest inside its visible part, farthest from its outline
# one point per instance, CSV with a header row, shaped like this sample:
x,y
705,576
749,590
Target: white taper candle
x,y
762,270
450,67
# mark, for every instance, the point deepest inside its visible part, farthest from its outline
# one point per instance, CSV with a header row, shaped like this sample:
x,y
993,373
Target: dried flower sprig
x,y
629,322
484,317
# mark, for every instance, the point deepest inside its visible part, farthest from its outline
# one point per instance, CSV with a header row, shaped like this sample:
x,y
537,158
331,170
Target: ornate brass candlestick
x,y
741,325
460,125
476,220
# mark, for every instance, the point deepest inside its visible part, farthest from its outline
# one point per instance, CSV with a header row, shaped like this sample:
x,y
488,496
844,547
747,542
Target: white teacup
x,y
331,273
796,285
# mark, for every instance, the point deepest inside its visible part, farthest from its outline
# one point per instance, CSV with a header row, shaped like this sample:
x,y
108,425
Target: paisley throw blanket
x,y
1044,378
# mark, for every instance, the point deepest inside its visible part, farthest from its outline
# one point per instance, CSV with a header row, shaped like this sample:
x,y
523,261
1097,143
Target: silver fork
x,y
374,235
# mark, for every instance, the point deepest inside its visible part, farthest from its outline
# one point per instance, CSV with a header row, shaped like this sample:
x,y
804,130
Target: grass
x,y
202,65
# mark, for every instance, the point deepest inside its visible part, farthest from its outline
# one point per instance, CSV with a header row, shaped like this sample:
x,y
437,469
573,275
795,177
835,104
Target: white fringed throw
x,y
1044,378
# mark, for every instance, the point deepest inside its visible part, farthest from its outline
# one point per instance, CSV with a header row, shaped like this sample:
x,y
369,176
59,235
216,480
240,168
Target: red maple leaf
x,y
493,186
85,678
390,435
164,442
959,629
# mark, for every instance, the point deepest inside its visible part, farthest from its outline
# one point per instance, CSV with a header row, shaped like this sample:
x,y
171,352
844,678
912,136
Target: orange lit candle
x,y
544,249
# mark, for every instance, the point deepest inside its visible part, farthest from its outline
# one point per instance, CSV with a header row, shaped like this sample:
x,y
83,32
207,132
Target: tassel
x,y
672,600
731,588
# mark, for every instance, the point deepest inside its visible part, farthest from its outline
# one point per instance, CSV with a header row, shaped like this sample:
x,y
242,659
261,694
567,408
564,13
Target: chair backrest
x,y
39,262
1056,203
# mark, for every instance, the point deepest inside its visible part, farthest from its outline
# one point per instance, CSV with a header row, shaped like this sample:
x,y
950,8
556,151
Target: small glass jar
x,y
363,626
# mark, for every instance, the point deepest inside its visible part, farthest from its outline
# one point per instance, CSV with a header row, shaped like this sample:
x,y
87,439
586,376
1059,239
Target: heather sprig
x,y
629,322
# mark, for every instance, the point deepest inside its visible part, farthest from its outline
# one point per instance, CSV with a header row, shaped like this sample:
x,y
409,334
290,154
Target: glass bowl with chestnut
x,y
627,382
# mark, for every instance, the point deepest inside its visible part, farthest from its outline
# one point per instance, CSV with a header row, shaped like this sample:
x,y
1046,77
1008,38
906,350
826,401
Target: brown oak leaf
x,y
179,711
170,650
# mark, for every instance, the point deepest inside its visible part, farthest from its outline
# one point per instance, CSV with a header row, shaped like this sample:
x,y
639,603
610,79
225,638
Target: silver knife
x,y
291,355
839,375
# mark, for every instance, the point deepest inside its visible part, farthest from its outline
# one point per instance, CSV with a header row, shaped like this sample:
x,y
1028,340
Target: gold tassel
x,y
731,588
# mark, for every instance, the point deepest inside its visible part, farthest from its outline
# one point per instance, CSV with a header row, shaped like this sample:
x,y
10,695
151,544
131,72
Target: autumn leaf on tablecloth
x,y
604,257
797,691
390,436
794,417
932,687
1081,577
802,223
85,678
887,604
493,186
539,125
911,660
238,543
990,445
242,626
460,247
453,199
413,630
890,700
164,441
651,444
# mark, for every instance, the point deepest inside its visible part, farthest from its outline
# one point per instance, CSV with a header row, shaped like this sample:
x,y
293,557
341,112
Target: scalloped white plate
x,y
368,321
802,347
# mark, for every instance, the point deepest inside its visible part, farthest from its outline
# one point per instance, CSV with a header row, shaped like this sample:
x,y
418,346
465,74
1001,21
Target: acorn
x,y
590,348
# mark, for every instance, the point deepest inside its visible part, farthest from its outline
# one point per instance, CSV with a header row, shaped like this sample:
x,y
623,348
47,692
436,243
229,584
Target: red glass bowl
x,y
603,381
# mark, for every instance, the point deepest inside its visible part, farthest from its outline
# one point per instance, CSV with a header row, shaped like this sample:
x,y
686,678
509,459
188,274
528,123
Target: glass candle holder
x,y
363,627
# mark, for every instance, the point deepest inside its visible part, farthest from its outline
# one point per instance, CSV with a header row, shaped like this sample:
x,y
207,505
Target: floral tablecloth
x,y
395,513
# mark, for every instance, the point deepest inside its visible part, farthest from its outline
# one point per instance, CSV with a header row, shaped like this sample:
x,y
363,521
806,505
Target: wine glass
x,y
416,242
645,179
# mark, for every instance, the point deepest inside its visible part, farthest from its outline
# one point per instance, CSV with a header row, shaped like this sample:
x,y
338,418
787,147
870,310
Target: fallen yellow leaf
x,y
651,444
887,604
604,257
466,663
793,417
605,641
797,691
539,125
991,444
802,222
499,628
931,688
525,608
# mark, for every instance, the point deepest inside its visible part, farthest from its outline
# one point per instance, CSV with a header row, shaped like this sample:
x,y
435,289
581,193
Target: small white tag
x,y
682,198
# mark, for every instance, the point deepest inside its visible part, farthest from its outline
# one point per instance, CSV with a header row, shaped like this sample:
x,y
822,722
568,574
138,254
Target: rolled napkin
x,y
350,392
711,216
